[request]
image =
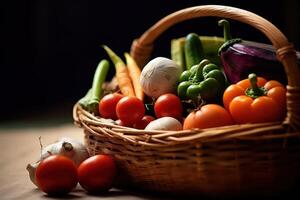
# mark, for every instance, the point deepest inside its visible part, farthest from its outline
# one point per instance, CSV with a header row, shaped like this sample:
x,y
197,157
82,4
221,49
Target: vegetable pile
x,y
202,85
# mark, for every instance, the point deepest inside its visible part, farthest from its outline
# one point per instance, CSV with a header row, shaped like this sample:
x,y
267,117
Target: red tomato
x,y
56,175
130,110
121,123
96,174
141,124
107,105
210,115
168,105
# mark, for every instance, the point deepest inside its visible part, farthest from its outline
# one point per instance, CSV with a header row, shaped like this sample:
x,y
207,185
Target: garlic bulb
x,y
160,76
70,148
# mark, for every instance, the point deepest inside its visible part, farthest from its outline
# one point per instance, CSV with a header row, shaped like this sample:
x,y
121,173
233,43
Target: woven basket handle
x,y
141,48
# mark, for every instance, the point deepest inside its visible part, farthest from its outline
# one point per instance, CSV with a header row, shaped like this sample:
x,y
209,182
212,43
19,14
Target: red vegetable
x,y
168,105
56,175
130,110
121,123
210,115
96,174
107,105
141,124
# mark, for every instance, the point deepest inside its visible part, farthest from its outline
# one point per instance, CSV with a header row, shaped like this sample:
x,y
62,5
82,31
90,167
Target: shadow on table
x,y
79,193
123,194
118,194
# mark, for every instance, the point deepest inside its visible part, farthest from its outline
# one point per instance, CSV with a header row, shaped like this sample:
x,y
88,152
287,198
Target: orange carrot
x,y
134,73
122,74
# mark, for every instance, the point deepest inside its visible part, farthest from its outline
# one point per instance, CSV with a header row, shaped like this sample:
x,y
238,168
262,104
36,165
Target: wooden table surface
x,y
20,146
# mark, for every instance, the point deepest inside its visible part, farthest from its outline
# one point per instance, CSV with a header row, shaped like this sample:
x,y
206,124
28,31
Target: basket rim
x,y
102,127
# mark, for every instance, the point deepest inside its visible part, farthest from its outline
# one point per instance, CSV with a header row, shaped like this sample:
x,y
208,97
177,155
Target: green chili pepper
x,y
206,81
91,100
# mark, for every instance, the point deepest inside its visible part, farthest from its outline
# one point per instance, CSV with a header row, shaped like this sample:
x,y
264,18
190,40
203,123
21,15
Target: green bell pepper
x,y
204,81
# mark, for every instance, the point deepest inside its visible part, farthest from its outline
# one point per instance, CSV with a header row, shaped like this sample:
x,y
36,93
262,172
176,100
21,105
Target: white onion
x,y
165,123
160,76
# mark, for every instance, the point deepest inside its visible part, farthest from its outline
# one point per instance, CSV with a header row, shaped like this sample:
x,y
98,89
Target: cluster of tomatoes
x,y
58,175
130,111
252,100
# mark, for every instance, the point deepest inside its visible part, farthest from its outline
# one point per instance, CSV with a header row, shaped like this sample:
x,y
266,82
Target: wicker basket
x,y
225,161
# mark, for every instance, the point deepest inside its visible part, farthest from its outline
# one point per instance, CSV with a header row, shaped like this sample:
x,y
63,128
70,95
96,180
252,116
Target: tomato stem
x,y
254,91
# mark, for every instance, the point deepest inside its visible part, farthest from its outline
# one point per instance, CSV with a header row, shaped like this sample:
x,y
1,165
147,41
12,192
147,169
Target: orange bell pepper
x,y
254,100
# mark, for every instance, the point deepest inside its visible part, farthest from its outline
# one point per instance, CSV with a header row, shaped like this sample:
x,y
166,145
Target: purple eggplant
x,y
241,58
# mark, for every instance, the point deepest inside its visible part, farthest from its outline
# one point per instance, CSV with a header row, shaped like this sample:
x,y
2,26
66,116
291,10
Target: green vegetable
x,y
254,91
182,87
193,50
91,100
177,52
210,44
207,90
206,82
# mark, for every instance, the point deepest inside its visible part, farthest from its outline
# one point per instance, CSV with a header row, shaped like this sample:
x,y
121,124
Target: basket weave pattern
x,y
237,159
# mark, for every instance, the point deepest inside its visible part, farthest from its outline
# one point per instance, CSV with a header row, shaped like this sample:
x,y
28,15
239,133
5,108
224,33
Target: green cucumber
x,y
211,45
193,50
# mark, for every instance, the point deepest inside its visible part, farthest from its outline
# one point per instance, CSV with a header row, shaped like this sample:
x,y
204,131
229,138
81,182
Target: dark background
x,y
50,49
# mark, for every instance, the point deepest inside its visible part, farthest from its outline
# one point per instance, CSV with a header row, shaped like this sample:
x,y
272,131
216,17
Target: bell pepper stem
x,y
226,29
199,72
254,91
253,81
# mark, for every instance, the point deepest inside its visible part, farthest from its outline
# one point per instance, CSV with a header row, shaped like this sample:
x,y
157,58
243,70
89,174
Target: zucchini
x,y
193,50
177,52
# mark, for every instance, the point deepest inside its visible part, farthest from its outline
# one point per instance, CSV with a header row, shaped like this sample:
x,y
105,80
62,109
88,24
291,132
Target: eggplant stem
x,y
226,29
